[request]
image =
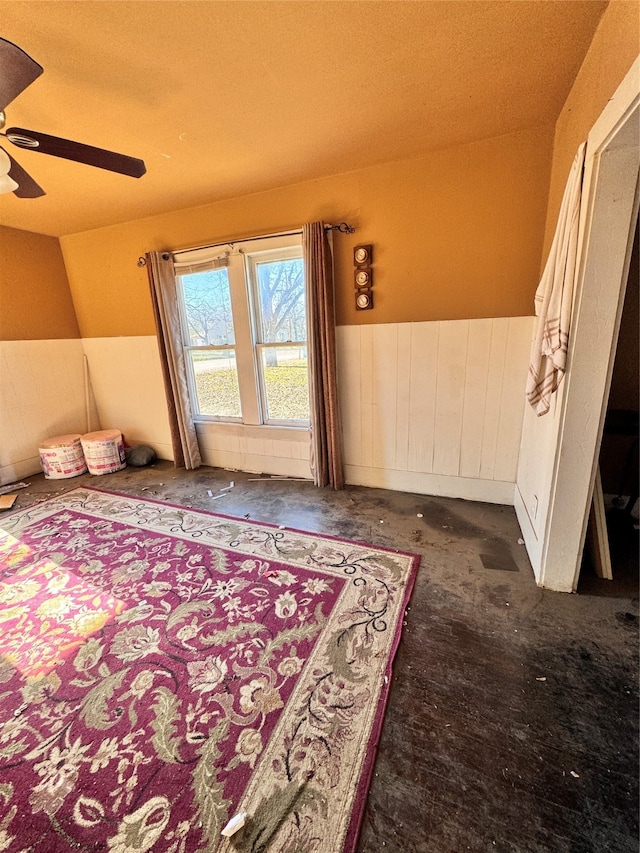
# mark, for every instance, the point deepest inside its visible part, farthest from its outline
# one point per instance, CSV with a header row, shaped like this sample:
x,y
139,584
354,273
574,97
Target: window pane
x,y
281,297
286,383
207,303
216,382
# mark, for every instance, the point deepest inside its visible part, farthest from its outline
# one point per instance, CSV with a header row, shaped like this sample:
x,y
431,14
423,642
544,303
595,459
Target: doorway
x,y
554,519
612,552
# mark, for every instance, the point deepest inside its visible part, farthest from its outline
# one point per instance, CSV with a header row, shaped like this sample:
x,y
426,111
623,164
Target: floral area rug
x,y
164,669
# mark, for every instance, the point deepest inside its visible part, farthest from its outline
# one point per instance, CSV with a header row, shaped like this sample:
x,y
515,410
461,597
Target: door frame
x,y
607,223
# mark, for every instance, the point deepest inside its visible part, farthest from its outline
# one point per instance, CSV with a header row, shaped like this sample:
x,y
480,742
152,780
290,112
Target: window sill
x,y
290,433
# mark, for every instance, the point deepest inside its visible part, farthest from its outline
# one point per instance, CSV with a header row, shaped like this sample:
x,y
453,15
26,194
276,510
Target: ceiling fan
x,y
17,71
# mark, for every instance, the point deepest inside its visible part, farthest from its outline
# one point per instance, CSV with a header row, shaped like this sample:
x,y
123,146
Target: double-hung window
x,y
244,332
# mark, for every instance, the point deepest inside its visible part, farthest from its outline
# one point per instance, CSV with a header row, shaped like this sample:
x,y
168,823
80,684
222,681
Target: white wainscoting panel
x,y
42,394
475,397
422,367
256,449
434,408
127,385
494,393
449,393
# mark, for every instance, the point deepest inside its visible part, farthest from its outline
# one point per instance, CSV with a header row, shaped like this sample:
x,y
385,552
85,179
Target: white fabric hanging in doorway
x,y
554,296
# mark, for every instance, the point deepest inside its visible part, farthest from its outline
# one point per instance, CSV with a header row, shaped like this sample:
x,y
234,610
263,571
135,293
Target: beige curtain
x,y
162,281
553,300
326,441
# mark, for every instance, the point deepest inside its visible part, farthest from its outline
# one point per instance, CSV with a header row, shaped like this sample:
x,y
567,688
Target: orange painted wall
x,y
35,300
613,50
457,234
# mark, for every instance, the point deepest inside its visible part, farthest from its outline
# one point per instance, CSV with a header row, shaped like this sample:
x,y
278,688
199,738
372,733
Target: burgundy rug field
x,y
163,669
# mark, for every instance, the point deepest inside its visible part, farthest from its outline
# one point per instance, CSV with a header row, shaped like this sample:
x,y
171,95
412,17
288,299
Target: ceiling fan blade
x,y
65,148
27,187
17,71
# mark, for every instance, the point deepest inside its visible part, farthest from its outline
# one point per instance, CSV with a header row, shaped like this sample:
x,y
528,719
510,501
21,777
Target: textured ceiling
x,y
222,99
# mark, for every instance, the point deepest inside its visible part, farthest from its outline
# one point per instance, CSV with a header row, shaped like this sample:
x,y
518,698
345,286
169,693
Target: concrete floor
x,y
512,722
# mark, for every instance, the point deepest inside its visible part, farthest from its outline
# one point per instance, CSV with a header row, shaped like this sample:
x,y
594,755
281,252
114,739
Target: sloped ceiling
x,y
222,99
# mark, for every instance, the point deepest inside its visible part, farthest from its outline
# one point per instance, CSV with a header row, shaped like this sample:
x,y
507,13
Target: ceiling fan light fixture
x,y
23,141
7,184
5,162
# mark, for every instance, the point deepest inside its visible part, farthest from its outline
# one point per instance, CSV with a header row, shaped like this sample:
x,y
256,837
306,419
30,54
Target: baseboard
x,y
19,470
256,464
486,491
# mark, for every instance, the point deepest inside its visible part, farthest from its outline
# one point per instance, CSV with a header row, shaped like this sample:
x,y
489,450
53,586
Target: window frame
x,y
241,260
188,348
252,260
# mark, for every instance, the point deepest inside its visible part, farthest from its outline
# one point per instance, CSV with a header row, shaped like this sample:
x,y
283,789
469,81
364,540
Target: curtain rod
x,y
342,227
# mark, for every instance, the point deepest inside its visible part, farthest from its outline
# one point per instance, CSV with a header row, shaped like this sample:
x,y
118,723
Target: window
x,y
244,332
